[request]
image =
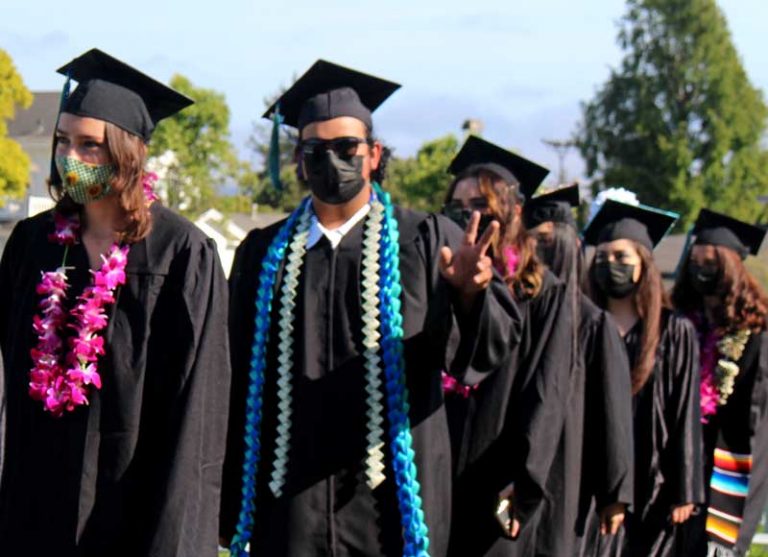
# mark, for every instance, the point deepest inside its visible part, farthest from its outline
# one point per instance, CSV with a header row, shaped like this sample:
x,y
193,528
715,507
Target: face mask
x,y
545,252
615,279
705,280
463,217
84,182
332,179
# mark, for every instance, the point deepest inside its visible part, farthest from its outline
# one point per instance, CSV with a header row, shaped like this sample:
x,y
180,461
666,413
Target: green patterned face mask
x,y
84,182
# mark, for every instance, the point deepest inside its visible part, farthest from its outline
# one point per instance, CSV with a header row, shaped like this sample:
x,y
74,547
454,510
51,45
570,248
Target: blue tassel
x,y
273,161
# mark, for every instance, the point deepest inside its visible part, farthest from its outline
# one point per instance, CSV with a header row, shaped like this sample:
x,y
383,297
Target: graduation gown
x,y
593,465
137,472
668,448
326,507
2,415
743,419
509,430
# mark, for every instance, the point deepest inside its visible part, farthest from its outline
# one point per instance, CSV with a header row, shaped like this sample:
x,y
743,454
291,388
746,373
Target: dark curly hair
x,y
744,302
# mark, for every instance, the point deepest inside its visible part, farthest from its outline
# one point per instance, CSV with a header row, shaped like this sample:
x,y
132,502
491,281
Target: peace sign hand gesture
x,y
470,269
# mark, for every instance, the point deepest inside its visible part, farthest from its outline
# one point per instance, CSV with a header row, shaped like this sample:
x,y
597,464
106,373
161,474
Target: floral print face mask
x,y
85,182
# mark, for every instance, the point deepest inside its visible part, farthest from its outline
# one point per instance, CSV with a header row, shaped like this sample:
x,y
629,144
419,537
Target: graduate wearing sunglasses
x,y
338,441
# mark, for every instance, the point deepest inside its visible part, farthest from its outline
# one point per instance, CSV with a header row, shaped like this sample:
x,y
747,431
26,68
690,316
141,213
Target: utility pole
x,y
561,147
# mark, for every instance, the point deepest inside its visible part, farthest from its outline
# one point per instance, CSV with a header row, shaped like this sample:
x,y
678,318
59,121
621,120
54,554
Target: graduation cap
x,y
721,230
479,154
328,91
619,221
555,206
113,91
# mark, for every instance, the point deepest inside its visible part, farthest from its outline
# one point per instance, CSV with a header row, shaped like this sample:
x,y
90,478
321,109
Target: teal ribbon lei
x,y
414,528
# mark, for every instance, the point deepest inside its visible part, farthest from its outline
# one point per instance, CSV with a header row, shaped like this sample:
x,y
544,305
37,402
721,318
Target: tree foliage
x,y
420,182
199,139
14,162
678,122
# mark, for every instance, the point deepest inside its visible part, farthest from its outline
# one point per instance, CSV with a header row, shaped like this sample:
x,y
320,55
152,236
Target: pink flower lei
x,y
61,380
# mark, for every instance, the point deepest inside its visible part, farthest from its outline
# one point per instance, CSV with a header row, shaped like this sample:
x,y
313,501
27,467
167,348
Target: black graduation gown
x,y
326,507
2,415
509,429
138,472
668,448
593,466
746,412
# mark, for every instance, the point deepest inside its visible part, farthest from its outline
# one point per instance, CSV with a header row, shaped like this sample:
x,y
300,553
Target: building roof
x,y
37,120
258,220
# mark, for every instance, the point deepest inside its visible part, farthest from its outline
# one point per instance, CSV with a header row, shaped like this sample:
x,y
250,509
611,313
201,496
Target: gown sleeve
x,y
13,255
189,430
242,294
608,424
9,265
683,458
757,497
541,395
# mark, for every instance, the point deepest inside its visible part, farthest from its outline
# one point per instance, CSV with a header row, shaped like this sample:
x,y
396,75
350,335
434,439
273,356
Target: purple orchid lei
x,y
61,381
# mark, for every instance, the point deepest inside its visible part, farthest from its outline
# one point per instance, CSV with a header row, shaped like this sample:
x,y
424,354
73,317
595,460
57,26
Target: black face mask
x,y
463,217
615,279
545,252
705,280
334,180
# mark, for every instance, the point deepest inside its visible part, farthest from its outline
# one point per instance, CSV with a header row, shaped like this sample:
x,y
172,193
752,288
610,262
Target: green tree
x,y
420,182
678,122
14,162
199,139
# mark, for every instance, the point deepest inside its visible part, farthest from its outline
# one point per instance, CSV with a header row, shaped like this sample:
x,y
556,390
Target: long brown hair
x,y
744,302
129,155
648,299
502,197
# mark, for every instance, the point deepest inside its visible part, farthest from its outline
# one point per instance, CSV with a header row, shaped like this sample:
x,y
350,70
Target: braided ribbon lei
x,y
381,298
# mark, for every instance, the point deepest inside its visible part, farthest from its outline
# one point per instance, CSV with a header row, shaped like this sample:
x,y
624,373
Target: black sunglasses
x,y
344,147
474,204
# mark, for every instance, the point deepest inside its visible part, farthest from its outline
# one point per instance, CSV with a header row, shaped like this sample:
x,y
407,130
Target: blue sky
x,y
521,67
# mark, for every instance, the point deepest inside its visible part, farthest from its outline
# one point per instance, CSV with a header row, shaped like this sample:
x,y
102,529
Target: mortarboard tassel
x,y
273,160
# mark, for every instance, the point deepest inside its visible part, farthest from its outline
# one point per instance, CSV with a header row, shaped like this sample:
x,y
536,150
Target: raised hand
x,y
470,269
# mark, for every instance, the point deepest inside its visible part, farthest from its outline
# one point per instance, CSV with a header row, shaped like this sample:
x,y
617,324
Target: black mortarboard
x,y
477,153
619,221
328,91
721,230
113,91
554,206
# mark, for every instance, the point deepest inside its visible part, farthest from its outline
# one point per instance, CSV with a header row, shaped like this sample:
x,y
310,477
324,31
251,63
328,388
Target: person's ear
x,y
375,153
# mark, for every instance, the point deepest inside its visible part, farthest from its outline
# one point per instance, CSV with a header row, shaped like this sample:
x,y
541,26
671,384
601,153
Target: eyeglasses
x,y
344,147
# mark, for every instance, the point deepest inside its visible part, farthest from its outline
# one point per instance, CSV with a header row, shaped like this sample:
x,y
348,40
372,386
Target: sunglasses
x,y
344,147
456,206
